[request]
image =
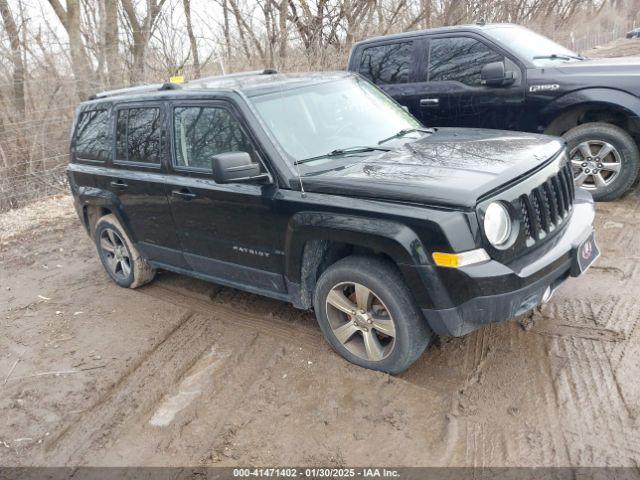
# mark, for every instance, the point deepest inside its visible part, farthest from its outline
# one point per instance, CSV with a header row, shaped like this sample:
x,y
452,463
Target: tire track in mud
x,y
476,352
585,335
217,406
604,319
593,413
291,332
138,388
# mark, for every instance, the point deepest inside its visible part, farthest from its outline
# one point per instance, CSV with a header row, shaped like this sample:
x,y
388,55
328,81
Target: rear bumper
x,y
496,292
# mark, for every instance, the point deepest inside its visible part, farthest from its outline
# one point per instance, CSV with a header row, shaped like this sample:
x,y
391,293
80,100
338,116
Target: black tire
x,y
412,335
138,271
624,145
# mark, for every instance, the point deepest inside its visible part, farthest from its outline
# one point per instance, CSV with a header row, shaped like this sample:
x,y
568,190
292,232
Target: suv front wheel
x,y
119,256
604,158
368,315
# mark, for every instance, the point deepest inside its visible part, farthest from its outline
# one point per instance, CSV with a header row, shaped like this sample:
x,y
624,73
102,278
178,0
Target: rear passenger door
x,y
138,180
228,232
451,92
392,66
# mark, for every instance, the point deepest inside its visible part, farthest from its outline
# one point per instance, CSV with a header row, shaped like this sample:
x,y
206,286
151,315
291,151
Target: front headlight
x,y
497,224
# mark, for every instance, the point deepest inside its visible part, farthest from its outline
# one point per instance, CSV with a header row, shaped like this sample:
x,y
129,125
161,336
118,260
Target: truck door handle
x,y
119,184
429,102
184,193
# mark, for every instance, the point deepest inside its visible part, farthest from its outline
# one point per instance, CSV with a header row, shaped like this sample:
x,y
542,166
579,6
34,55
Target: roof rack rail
x,y
124,91
174,86
170,86
266,71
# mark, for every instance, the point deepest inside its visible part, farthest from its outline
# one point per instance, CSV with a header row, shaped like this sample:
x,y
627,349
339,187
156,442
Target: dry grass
x,y
41,214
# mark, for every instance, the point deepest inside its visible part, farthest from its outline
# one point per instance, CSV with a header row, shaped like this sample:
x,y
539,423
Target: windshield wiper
x,y
554,56
340,152
404,131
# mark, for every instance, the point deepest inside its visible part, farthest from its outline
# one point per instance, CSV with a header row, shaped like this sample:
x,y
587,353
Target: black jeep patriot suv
x,y
508,77
321,191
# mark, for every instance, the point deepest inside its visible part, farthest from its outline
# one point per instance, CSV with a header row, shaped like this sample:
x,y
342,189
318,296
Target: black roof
x,y
476,27
253,83
250,83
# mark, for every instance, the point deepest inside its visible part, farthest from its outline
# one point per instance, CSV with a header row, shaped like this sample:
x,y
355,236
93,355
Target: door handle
x,y
119,184
184,194
429,102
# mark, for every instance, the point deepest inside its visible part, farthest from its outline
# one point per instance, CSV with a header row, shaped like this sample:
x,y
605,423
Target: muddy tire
x,y
119,257
604,158
368,315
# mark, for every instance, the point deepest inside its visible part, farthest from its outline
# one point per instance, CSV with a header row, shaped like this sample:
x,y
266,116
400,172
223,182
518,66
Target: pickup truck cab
x,y
505,76
321,191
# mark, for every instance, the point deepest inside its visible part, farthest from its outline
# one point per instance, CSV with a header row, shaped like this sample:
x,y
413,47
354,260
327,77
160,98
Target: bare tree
x,y
141,30
16,59
192,38
110,42
70,20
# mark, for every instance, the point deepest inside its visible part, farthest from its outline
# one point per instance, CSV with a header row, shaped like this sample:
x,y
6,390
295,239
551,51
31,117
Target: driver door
x,y
451,92
228,232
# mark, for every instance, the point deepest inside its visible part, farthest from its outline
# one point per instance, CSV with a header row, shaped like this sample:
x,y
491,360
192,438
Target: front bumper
x,y
494,292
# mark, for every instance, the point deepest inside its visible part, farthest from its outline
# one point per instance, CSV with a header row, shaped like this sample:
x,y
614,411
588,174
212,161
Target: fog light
x,y
546,296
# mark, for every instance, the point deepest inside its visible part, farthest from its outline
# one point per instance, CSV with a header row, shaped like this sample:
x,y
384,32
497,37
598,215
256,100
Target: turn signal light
x,y
455,260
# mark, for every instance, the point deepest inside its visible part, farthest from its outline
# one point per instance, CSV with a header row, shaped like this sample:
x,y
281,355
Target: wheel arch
x,y
592,105
316,240
96,203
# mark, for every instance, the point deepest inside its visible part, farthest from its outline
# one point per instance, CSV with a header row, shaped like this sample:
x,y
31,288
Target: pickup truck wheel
x,y
120,258
604,158
368,315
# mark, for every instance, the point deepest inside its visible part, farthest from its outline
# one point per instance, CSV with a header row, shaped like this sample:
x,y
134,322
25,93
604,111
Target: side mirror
x,y
494,75
235,167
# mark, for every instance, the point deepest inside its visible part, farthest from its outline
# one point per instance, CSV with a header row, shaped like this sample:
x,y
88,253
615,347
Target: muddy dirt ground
x,y
182,372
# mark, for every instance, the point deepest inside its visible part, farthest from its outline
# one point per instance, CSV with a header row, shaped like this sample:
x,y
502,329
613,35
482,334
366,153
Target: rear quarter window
x,y
93,139
387,64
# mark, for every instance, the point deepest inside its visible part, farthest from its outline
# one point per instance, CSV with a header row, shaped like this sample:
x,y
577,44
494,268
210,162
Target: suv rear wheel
x,y
604,158
368,315
119,256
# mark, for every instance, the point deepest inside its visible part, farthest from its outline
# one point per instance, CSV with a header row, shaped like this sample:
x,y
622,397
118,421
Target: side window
x,y
459,59
92,136
387,64
203,132
138,135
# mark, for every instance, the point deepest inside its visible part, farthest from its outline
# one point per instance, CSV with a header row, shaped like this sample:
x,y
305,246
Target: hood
x,y
601,66
452,167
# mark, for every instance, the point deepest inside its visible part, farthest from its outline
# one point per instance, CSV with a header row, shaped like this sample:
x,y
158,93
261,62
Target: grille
x,y
547,206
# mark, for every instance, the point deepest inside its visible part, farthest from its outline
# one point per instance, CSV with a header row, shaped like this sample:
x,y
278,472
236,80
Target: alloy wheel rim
x,y
360,321
116,253
596,164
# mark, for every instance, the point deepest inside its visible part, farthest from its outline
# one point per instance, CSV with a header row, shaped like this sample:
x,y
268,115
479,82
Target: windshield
x,y
536,48
322,118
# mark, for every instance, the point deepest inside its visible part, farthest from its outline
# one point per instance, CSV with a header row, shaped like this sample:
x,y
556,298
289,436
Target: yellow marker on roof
x,y
178,79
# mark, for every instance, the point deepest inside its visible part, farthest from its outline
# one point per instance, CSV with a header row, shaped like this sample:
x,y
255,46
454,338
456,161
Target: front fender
x,y
590,96
392,238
